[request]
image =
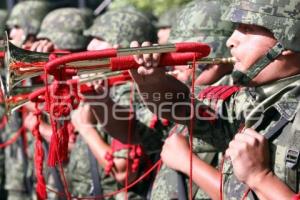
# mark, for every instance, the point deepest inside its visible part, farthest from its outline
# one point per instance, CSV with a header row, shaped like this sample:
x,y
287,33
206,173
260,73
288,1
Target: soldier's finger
x,y
34,46
147,57
144,71
137,58
41,46
48,47
156,58
255,134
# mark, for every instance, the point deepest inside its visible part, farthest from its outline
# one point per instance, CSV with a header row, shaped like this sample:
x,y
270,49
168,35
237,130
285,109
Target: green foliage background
x,y
158,7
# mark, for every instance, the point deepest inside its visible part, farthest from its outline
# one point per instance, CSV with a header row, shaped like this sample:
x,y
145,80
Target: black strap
x,y
54,172
292,156
274,131
97,189
181,184
28,182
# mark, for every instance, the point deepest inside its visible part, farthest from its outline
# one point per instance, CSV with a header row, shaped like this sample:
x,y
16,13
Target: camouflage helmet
x,y
28,15
200,21
122,26
282,17
166,20
3,17
65,26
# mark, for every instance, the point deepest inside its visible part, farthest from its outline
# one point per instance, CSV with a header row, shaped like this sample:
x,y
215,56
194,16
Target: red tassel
x,y
39,158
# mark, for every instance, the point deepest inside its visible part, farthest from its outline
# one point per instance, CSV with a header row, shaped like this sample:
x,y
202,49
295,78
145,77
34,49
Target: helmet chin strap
x,y
243,78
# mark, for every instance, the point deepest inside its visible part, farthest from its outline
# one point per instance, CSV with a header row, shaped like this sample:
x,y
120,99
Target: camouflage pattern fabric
x,y
252,107
2,161
280,17
15,164
167,19
200,21
65,26
151,140
3,17
81,184
166,184
28,15
122,27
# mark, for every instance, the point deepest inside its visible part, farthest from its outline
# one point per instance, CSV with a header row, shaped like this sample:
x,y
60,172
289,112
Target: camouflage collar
x,y
288,90
276,87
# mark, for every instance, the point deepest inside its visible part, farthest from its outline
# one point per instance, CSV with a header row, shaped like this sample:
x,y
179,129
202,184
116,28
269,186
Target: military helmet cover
x,y
200,21
122,26
65,26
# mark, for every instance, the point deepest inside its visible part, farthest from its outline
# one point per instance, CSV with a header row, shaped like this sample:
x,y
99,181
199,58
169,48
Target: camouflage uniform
x,y
28,15
198,21
65,26
18,170
3,16
270,109
121,27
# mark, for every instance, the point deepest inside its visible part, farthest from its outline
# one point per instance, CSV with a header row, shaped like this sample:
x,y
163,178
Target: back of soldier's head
x,y
65,26
28,15
200,21
122,26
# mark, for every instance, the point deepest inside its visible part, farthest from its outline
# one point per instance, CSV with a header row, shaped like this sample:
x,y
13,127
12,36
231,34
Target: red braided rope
x,y
13,139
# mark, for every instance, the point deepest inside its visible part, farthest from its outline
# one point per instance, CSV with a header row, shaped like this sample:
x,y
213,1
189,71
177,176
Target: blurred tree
x,y
158,7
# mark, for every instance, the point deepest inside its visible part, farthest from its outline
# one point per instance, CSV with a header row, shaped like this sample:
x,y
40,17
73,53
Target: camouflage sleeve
x,y
151,137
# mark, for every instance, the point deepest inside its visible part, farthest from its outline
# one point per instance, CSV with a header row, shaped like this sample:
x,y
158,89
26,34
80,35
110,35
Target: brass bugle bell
x,y
20,94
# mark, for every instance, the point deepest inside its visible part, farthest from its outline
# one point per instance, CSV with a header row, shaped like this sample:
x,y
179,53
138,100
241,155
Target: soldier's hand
x,y
83,117
175,152
30,121
147,62
250,156
44,46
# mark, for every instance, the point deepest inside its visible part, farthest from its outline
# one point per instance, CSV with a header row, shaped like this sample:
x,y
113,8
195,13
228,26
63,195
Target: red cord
x,y
3,122
192,128
130,121
146,174
13,139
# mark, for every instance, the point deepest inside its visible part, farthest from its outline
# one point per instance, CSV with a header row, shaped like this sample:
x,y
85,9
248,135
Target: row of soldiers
x,y
246,115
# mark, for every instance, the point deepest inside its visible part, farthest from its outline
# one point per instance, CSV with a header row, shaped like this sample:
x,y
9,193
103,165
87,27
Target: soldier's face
x,y
163,35
98,44
249,43
17,36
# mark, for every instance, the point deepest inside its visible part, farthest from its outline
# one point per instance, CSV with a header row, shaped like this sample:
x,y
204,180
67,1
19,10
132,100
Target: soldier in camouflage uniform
x,y
25,19
198,21
266,99
63,29
24,22
134,25
3,17
164,25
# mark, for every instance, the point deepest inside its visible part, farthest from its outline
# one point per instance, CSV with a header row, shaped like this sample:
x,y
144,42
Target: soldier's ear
x,y
287,52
